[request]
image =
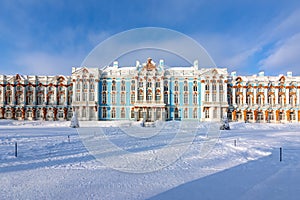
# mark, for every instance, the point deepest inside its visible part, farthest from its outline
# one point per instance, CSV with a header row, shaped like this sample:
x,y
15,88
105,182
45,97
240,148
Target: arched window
x,y
185,113
195,113
133,85
176,101
207,85
104,85
123,86
113,86
185,87
123,113
113,113
176,86
195,98
132,98
185,98
104,112
176,113
157,96
104,98
166,87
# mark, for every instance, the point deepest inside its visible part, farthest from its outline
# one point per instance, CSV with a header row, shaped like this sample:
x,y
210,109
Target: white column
x,y
254,96
233,96
244,95
266,96
287,94
276,96
66,96
45,95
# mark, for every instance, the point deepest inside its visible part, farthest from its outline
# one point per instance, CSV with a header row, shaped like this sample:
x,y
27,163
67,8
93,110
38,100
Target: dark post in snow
x,y
235,142
69,138
16,149
280,152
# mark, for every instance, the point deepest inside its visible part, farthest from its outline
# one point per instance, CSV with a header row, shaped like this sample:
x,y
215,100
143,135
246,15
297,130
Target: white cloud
x,y
284,57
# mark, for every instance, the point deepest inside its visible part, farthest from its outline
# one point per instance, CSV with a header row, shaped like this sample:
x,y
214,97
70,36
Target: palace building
x,y
151,91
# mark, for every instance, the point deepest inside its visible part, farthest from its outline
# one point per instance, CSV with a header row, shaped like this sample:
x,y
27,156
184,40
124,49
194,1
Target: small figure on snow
x,y
225,123
74,121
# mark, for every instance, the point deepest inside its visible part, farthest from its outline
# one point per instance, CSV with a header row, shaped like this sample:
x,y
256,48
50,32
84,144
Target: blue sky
x,y
49,37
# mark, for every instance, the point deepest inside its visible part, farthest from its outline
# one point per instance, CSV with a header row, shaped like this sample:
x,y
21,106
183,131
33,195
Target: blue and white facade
x,y
150,92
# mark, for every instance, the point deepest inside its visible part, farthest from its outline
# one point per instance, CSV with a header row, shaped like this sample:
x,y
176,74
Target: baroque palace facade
x,y
150,92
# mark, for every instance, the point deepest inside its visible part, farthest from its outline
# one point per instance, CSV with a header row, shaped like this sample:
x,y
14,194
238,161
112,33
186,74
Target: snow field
x,y
244,164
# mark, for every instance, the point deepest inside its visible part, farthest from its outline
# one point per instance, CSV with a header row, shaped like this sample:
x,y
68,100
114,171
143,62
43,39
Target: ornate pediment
x,y
150,66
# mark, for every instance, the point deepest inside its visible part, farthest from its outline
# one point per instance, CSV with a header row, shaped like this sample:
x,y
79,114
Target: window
x,y
77,96
30,99
122,98
176,86
157,96
132,113
84,96
281,116
214,85
195,87
207,97
19,99
92,86
51,99
133,85
132,98
185,98
104,85
149,95
185,87
141,84
113,86
60,115
214,97
221,96
113,113
113,98
149,84
176,113
292,100
166,98
92,96
61,99
123,87
166,86
207,113
83,112
207,85
281,100
259,100
238,100
104,113
123,113
78,86
195,113
271,100
141,95
215,113
249,100
195,98
221,86
104,98
176,98
260,116
185,113
40,99
157,84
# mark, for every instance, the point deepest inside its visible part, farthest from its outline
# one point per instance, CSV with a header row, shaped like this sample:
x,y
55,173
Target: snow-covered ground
x,y
53,163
